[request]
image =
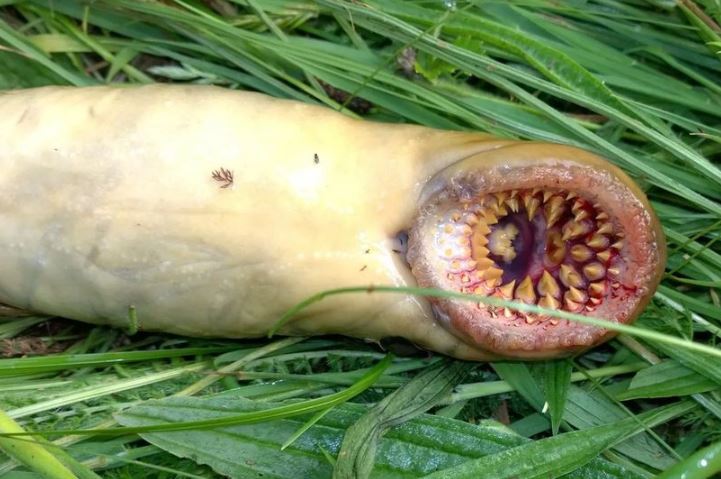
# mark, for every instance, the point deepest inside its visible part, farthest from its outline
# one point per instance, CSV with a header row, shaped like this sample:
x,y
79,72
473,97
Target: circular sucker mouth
x,y
547,247
569,234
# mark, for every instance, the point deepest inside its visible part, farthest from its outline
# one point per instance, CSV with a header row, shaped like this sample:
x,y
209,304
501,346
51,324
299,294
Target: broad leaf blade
x,y
518,375
703,365
357,453
558,455
588,409
666,379
416,448
584,409
557,380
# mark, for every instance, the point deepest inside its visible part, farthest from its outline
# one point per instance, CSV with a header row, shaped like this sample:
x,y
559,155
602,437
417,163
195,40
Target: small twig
x,y
696,10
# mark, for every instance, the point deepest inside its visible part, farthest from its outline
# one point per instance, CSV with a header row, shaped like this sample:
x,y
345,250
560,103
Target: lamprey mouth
x,y
545,247
564,231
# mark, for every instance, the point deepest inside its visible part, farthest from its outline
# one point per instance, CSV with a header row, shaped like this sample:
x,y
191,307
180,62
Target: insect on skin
x,y
223,176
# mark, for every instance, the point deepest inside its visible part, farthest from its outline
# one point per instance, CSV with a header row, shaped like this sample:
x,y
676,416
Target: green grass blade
x,y
558,455
666,379
295,409
700,465
30,51
557,379
49,363
696,18
516,306
31,452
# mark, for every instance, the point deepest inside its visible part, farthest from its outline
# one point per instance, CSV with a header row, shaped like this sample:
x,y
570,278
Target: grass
x,y
636,81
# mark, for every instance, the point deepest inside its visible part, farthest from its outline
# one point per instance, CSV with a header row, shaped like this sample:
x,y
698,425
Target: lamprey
x,y
208,212
544,225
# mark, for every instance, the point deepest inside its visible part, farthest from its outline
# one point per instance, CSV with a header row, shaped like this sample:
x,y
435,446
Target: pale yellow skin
x,y
108,203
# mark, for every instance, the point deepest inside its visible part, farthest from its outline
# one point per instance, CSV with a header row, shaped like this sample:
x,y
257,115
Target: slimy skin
x,y
212,212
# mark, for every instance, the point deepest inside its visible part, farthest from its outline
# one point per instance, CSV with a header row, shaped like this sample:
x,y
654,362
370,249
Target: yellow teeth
x,y
572,306
553,209
531,203
500,210
470,218
525,292
581,253
576,295
577,206
555,248
480,252
493,273
548,285
501,242
484,263
582,215
598,242
476,242
573,229
506,290
549,302
479,240
489,217
605,229
604,255
594,271
597,289
555,257
501,196
570,277
482,228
